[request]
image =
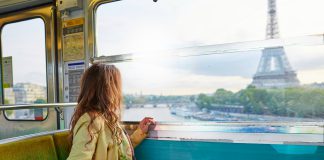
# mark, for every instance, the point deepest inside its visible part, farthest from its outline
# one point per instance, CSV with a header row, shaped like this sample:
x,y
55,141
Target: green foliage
x,y
40,101
6,101
8,112
295,102
204,101
222,96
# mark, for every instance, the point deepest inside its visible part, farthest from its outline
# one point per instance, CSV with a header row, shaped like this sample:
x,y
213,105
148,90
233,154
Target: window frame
x,y
45,13
91,49
90,41
91,22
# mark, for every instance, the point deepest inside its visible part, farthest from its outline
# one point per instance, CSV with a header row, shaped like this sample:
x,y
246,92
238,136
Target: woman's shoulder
x,y
87,117
85,120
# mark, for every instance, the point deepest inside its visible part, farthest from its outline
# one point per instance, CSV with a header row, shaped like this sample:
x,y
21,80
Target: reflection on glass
x,y
282,82
220,88
132,26
25,68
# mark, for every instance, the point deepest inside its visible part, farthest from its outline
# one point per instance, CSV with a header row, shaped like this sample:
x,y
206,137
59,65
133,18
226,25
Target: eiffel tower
x,y
274,70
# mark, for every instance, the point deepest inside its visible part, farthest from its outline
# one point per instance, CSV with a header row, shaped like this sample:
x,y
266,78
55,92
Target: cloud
x,y
306,57
204,74
311,76
243,64
188,84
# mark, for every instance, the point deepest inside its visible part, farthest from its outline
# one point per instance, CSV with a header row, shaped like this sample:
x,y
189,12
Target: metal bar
x,y
179,124
24,137
201,123
229,123
237,47
112,59
230,137
291,139
30,106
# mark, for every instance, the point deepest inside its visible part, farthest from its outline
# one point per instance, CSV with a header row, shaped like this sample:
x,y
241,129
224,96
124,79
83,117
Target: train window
x,y
24,68
147,26
278,83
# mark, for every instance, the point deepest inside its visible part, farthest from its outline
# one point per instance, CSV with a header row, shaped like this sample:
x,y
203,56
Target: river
x,y
159,114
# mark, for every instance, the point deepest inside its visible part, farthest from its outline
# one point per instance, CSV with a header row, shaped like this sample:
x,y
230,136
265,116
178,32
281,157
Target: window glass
x,y
24,68
221,87
140,26
280,83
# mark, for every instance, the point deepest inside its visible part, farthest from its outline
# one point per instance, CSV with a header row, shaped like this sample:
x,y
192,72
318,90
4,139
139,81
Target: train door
x,y
28,70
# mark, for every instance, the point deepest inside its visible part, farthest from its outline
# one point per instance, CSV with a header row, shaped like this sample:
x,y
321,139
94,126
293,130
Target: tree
x,y
222,96
40,101
8,112
203,101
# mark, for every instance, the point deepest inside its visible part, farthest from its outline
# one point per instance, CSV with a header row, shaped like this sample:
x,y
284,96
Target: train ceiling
x,y
14,5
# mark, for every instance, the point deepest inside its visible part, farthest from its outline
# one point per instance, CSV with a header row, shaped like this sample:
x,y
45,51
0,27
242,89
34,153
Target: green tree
x,y
40,101
8,112
222,96
203,101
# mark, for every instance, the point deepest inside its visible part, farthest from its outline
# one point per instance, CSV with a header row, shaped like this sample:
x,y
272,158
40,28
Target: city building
x,y
9,96
28,93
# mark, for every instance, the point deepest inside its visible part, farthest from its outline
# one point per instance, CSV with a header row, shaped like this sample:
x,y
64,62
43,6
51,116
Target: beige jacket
x,y
102,146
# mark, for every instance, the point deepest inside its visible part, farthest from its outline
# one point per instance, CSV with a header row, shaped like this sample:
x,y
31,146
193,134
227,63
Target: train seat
x,y
47,145
61,145
41,147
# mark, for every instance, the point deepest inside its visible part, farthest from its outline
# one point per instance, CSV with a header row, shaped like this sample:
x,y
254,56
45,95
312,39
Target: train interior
x,y
224,79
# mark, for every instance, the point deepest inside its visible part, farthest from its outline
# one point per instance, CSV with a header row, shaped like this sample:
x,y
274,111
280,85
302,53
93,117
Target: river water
x,y
163,114
159,114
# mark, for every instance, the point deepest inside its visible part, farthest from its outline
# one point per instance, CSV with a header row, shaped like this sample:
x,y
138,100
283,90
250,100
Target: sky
x,y
25,42
144,27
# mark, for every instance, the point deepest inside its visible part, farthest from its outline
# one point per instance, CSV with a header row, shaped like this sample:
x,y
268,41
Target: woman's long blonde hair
x,y
100,95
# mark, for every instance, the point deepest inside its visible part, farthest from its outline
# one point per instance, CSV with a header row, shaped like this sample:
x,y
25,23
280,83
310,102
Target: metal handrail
x,y
319,123
235,47
29,106
24,137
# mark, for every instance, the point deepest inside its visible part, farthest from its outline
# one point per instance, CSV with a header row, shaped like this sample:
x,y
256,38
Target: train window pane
x,y
282,83
142,26
224,87
24,68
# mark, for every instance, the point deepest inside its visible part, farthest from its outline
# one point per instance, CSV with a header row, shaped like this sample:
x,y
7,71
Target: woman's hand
x,y
145,123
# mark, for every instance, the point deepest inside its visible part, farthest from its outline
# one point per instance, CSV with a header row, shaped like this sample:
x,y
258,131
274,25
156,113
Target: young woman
x,y
96,133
